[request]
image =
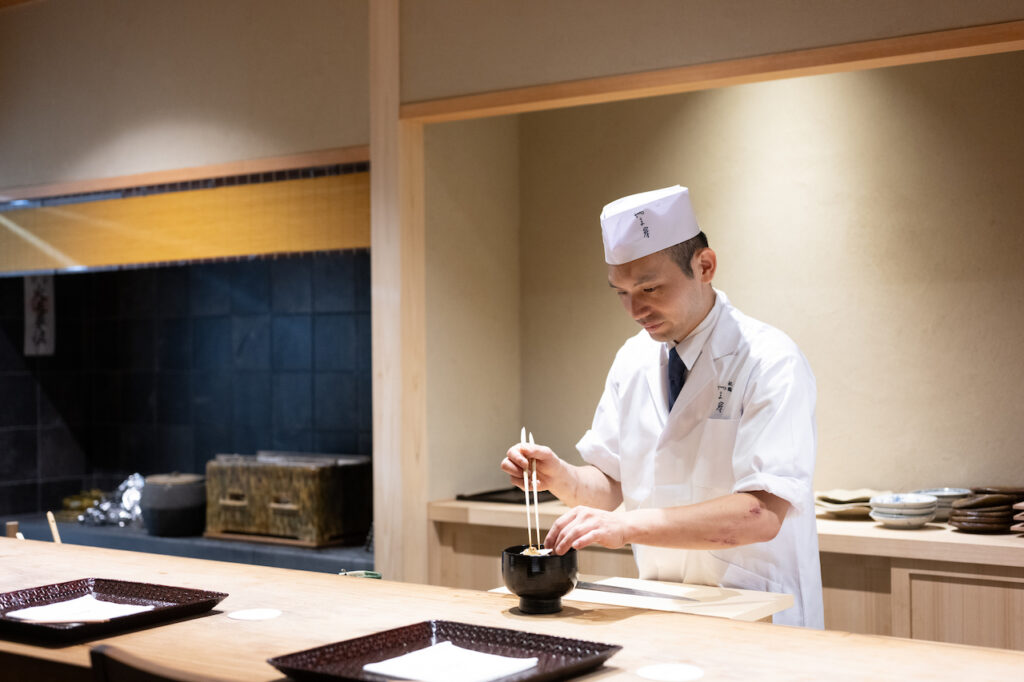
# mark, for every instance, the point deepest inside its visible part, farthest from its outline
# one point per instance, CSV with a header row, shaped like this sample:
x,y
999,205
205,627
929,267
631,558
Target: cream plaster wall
x,y
456,47
472,292
876,217
113,87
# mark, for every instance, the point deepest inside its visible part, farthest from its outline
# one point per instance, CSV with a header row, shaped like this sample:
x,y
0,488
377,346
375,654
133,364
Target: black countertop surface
x,y
326,560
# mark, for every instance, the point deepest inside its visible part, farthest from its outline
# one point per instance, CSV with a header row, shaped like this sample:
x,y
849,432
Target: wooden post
x,y
12,529
398,318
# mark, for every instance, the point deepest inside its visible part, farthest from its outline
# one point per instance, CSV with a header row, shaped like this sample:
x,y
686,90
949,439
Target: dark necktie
x,y
676,376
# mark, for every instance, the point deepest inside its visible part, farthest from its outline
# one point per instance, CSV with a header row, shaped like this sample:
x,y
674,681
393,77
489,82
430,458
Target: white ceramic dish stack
x,y
903,510
946,497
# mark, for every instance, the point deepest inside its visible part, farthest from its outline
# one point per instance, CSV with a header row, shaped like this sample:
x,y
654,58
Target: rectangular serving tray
x,y
169,603
558,657
506,495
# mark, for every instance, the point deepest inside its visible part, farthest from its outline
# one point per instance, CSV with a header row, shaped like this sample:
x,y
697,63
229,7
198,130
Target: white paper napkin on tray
x,y
446,662
81,610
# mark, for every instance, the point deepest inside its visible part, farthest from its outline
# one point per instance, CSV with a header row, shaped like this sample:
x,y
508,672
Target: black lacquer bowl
x,y
540,582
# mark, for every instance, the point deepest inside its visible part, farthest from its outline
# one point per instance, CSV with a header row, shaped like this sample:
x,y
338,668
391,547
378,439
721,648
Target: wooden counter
x,y
319,608
935,583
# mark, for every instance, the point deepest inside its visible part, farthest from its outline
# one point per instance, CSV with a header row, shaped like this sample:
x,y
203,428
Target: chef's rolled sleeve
x,y
794,491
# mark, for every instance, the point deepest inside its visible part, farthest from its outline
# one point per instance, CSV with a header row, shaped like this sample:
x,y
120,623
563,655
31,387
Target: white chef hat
x,y
642,224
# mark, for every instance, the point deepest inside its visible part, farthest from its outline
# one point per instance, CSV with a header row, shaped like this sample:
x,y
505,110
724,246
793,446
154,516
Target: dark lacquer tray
x,y
506,495
168,604
558,657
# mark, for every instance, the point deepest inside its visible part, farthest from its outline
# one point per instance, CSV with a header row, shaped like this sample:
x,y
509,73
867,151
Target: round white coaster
x,y
254,614
671,672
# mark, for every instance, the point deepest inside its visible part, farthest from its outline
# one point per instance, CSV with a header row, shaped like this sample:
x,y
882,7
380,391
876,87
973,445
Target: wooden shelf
x,y
499,514
935,542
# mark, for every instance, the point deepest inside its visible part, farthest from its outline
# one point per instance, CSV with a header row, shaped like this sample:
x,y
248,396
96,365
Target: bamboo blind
x,y
306,214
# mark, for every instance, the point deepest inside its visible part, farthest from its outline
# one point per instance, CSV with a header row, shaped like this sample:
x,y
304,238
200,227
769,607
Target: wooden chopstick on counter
x,y
53,527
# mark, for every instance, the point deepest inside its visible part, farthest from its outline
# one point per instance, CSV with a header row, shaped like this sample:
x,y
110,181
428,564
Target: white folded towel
x,y
446,662
84,609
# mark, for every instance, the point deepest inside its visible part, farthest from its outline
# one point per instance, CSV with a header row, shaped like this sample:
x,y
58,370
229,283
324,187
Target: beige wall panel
x,y
876,217
116,87
472,291
458,47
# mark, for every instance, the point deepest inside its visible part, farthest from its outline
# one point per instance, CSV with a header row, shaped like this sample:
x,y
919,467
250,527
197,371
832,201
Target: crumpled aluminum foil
x,y
119,508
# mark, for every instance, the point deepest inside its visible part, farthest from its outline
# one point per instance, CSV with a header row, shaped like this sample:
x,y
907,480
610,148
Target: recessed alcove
x,y
875,216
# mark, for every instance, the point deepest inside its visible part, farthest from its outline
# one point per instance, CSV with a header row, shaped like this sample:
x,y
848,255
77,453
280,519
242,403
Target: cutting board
x,y
722,602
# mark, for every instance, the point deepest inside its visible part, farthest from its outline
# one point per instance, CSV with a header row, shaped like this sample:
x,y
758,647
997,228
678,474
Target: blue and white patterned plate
x,y
905,501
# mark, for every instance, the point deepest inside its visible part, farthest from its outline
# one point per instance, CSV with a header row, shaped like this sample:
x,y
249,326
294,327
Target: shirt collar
x,y
689,348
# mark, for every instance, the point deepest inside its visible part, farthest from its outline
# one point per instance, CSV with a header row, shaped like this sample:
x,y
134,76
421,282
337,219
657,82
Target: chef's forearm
x,y
728,521
587,485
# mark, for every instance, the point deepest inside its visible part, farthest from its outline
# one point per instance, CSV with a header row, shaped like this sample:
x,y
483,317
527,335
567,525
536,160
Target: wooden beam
x,y
398,319
324,157
872,54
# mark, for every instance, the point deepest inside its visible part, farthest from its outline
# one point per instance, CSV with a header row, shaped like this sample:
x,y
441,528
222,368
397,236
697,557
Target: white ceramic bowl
x,y
904,501
905,522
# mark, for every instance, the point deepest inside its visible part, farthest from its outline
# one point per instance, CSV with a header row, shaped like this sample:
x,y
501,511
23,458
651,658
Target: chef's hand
x,y
519,459
582,526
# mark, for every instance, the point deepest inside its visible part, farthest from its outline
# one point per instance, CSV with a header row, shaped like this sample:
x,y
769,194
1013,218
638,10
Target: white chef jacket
x,y
744,421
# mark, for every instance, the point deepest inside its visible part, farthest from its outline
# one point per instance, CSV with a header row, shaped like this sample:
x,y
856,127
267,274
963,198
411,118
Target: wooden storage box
x,y
307,500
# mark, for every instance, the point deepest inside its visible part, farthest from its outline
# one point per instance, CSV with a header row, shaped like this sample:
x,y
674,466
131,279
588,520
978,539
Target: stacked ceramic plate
x,y
842,503
988,510
1018,517
904,510
946,497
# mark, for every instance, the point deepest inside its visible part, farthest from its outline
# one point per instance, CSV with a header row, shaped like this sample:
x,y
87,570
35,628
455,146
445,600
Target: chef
x,y
701,452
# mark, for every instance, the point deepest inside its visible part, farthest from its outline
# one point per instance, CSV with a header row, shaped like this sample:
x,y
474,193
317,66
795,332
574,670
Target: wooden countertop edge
x,y
936,543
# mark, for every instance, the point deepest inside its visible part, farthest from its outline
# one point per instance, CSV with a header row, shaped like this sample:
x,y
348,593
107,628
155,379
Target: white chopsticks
x,y
536,511
526,490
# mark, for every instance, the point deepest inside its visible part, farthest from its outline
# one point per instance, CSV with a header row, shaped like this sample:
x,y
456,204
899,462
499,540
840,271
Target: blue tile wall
x,y
292,342
250,338
160,369
250,287
291,283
